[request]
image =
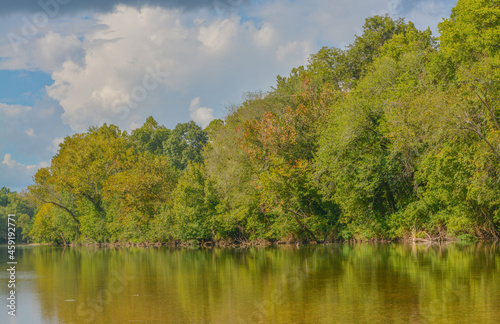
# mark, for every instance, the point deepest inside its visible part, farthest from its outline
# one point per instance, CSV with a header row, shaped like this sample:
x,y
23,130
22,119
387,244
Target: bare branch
x,y
494,118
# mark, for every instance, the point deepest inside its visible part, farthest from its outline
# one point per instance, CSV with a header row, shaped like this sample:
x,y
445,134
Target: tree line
x,y
395,136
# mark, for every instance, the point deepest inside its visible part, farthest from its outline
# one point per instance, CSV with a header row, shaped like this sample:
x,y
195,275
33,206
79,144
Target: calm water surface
x,y
362,283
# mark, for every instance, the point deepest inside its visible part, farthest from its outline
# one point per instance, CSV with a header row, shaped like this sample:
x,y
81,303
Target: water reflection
x,y
314,284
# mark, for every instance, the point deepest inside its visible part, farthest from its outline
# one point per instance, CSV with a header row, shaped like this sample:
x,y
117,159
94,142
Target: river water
x,y
338,283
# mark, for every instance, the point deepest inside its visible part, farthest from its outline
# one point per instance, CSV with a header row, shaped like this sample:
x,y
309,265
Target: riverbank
x,y
237,244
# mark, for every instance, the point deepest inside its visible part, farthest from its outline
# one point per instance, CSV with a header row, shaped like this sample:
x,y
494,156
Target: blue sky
x,y
68,64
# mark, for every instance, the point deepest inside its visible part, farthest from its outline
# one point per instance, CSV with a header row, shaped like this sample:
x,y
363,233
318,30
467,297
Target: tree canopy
x,y
396,136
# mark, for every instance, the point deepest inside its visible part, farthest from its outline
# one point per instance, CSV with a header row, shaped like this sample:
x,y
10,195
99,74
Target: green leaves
x,y
376,152
136,195
395,136
471,32
185,145
149,137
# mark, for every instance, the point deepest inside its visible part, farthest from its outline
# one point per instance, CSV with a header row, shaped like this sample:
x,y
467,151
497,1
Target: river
x,y
338,283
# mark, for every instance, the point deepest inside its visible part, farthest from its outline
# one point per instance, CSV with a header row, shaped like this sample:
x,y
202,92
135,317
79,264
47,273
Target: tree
x,y
396,136
22,208
85,161
365,165
149,137
4,193
135,196
75,179
47,190
228,168
376,31
195,207
471,32
185,145
281,148
52,224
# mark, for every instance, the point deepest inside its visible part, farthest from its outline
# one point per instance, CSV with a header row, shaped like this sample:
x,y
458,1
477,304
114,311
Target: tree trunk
x,y
304,227
62,236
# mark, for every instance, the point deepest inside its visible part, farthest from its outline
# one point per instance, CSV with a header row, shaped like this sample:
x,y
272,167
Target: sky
x,y
66,65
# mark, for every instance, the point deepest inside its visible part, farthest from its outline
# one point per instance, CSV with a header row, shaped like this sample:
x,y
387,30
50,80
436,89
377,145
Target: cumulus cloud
x,y
130,68
200,115
13,110
322,22
55,144
25,134
121,61
124,64
104,74
28,127
11,163
16,175
217,36
54,48
296,52
46,53
265,36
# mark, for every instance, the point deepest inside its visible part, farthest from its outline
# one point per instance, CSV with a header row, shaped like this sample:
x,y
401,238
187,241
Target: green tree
x,y
135,196
227,166
85,161
281,149
4,193
149,137
376,31
195,207
185,145
471,32
51,224
22,208
75,179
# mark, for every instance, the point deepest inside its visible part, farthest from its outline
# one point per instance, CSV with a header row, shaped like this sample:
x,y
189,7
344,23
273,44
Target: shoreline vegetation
x,y
261,243
396,137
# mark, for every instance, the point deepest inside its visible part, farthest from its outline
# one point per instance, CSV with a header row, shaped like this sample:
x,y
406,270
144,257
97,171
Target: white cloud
x,y
124,64
53,49
47,47
43,164
13,110
15,175
200,115
103,64
46,53
218,35
200,55
18,138
11,163
7,160
130,70
265,36
55,144
296,52
30,132
322,22
99,70
427,13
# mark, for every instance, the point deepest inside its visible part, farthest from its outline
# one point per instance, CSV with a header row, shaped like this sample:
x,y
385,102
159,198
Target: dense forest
x,y
396,136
